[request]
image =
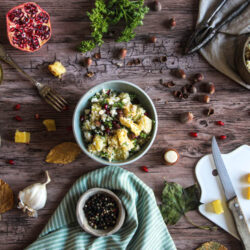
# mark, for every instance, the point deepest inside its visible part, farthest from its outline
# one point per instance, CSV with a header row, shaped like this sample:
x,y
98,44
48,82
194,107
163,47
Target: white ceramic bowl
x,y
119,86
82,220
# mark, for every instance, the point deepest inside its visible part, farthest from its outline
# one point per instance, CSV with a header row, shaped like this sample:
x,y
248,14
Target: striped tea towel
x,y
143,228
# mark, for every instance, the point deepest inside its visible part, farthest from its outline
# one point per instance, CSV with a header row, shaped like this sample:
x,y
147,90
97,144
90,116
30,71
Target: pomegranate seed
x,y
193,134
106,106
220,123
223,137
108,92
82,118
37,116
17,107
11,162
69,128
18,118
145,169
146,114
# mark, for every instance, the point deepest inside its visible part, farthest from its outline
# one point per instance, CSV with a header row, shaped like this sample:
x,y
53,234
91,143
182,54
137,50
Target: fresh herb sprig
x,y
112,12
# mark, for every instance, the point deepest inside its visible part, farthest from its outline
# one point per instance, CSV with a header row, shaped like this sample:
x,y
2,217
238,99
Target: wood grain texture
x,y
70,25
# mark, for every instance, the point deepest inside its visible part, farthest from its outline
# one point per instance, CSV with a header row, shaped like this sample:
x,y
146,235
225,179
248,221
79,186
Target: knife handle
x,y
240,222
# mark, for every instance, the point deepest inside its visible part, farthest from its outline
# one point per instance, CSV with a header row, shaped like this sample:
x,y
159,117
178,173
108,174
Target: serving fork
x,y
46,92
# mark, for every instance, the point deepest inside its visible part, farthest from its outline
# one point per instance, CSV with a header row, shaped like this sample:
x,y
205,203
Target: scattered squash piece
x,y
217,206
50,124
63,153
57,69
248,178
248,193
212,245
22,137
6,197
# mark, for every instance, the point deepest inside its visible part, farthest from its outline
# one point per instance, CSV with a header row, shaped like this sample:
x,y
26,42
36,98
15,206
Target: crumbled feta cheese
x,y
101,112
88,136
104,117
94,99
125,101
102,128
113,112
93,126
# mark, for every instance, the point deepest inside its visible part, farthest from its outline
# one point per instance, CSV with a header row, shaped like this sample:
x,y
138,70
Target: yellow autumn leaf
x,y
63,153
6,197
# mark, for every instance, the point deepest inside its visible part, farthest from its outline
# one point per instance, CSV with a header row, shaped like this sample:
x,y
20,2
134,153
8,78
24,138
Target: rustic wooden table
x,y
70,26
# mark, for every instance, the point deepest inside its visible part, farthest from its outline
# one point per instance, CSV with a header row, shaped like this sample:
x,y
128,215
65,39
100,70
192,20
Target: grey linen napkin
x,y
220,51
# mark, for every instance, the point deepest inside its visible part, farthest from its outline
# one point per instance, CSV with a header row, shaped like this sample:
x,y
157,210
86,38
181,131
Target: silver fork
x,y
47,93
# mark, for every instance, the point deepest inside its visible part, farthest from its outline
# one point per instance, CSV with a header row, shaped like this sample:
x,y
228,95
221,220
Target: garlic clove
x,y
33,197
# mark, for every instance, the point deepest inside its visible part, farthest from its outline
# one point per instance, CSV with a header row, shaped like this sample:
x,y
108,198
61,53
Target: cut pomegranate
x,y
28,27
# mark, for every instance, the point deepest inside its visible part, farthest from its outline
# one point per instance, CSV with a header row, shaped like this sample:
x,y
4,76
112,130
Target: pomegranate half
x,y
28,27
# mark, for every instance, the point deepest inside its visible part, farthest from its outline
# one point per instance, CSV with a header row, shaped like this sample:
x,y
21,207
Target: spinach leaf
x,y
176,201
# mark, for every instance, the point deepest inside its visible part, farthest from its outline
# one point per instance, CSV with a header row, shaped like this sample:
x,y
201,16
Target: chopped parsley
x,y
143,135
111,13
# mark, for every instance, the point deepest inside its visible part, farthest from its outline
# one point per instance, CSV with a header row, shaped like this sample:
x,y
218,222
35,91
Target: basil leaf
x,y
176,201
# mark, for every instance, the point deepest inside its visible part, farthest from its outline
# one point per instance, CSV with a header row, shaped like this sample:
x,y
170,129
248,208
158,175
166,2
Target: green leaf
x,y
176,201
1,74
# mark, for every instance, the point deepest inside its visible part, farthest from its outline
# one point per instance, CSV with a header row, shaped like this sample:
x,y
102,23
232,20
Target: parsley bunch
x,y
112,12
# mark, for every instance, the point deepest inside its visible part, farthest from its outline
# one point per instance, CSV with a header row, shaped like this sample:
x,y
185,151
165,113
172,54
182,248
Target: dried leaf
x,y
176,201
212,245
63,153
6,197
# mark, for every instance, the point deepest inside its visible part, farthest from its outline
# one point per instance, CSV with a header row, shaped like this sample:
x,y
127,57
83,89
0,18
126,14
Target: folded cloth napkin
x,y
221,50
143,228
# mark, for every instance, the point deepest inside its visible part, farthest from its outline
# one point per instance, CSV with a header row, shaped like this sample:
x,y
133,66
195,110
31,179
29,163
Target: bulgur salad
x,y
115,126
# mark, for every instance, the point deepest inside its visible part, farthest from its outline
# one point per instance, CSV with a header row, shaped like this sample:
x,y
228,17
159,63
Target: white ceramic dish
x,y
82,220
238,166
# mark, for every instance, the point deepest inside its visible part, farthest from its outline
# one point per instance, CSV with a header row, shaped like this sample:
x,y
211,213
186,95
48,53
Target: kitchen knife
x,y
231,197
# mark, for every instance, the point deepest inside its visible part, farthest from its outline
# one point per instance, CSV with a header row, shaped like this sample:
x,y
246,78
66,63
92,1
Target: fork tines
x,y
55,100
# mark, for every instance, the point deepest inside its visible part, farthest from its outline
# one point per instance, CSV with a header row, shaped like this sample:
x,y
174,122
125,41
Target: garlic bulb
x,y
33,197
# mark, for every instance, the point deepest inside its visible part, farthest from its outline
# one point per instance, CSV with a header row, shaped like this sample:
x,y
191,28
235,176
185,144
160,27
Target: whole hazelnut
x,y
210,88
98,123
198,77
172,23
157,5
180,73
153,39
205,98
88,61
122,53
186,117
192,89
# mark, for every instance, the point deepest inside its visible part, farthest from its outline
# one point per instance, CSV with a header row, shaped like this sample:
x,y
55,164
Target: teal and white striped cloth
x,y
143,228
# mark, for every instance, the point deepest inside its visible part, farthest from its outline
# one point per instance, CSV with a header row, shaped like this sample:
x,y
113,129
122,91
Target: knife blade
x,y
233,202
222,171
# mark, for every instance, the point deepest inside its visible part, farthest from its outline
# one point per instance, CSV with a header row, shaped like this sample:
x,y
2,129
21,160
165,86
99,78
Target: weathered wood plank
x,y
70,26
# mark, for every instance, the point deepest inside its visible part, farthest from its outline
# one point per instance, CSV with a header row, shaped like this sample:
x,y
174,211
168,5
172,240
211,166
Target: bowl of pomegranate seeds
x,y
115,123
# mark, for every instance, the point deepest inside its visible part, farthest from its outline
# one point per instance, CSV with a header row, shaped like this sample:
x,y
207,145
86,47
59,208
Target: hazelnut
x,y
88,62
156,5
192,89
209,88
153,39
205,98
180,73
209,111
122,53
97,55
171,156
172,23
186,117
198,77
